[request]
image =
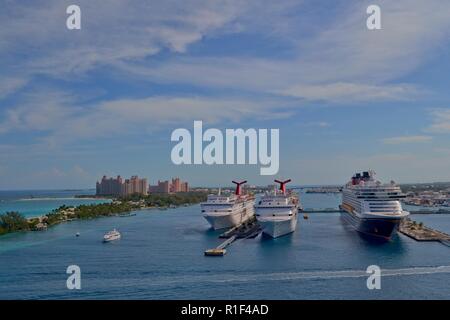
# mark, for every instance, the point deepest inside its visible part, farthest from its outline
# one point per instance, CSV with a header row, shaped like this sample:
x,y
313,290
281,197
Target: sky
x,y
79,104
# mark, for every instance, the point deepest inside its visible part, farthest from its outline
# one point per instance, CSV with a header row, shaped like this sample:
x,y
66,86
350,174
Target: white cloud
x,y
351,92
339,61
112,31
411,30
9,85
38,111
61,117
441,121
338,55
320,124
407,139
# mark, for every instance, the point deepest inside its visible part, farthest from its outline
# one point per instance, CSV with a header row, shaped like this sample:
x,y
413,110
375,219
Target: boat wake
x,y
307,275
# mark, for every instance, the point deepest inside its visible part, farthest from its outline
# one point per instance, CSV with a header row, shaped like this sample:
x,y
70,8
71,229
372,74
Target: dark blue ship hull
x,y
379,228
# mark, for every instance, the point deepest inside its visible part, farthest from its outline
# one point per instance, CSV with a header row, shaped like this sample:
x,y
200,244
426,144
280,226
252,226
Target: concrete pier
x,y
220,249
419,232
248,229
419,211
426,211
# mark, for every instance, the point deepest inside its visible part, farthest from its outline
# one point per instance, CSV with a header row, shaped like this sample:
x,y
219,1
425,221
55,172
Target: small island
x,y
16,222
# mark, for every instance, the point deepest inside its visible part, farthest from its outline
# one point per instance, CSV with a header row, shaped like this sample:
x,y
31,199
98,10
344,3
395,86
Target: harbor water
x,y
160,256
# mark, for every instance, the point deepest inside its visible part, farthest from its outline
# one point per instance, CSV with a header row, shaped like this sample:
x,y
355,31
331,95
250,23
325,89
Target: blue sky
x,y
75,105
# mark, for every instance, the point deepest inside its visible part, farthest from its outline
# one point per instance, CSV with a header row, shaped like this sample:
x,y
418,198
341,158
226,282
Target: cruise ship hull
x,y
379,228
219,220
278,227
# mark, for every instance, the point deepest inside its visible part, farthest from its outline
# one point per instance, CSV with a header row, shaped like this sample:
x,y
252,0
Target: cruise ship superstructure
x,y
226,211
371,207
277,211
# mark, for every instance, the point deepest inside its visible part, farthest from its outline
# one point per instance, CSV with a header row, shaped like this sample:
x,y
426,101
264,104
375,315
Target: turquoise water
x,y
34,203
160,256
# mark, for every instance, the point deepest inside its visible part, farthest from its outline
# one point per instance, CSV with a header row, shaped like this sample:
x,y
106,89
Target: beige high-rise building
x,y
109,186
174,186
143,186
184,187
134,185
161,187
117,187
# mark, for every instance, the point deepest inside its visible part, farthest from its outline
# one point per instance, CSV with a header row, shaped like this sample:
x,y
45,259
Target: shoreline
x,y
119,214
15,222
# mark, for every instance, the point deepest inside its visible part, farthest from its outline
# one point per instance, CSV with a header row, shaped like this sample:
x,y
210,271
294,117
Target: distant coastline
x,y
11,222
90,197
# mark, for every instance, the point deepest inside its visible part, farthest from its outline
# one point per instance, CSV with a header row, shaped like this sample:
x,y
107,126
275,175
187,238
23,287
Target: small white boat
x,y
111,236
77,234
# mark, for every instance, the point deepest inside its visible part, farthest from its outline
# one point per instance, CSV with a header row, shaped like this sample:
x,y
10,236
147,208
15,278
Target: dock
x,y
419,211
220,249
426,211
445,242
247,230
419,232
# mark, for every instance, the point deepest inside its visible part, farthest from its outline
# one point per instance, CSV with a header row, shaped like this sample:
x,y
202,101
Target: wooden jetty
x,y
419,232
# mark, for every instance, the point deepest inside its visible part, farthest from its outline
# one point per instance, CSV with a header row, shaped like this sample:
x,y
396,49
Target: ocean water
x,y
33,203
160,256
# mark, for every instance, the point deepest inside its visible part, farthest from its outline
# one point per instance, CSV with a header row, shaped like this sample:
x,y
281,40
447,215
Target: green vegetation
x,y
12,222
167,200
64,213
416,226
102,210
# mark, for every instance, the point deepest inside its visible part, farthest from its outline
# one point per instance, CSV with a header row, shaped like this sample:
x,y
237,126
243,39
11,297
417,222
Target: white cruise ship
x,y
371,207
226,211
277,211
